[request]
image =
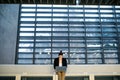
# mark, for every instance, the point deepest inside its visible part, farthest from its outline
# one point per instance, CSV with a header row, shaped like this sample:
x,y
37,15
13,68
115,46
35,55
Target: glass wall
x,y
36,78
50,78
87,34
7,77
107,78
77,78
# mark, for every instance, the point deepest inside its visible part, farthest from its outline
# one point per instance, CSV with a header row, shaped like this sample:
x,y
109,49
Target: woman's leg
x,y
62,75
59,75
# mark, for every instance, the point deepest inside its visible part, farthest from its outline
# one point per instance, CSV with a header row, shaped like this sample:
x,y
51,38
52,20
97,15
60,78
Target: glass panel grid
x,y
85,34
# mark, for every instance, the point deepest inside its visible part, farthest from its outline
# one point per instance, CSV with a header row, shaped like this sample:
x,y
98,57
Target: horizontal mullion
x,y
43,42
43,26
83,27
76,31
76,58
75,8
28,12
107,23
27,16
110,42
59,42
52,17
38,7
76,17
109,52
94,58
87,8
106,13
43,22
42,58
117,14
109,27
106,47
77,47
31,22
59,26
106,8
52,22
59,31
25,53
97,26
37,31
93,31
87,22
91,13
25,63
51,47
109,37
117,18
64,37
118,23
93,47
64,8
29,47
59,47
27,31
109,32
27,7
26,26
111,58
77,42
35,42
26,37
107,17
60,12
42,48
35,16
37,37
92,17
32,58
76,12
84,37
93,42
25,58
32,47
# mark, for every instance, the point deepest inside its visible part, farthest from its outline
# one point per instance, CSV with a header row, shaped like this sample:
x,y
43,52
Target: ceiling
x,y
64,2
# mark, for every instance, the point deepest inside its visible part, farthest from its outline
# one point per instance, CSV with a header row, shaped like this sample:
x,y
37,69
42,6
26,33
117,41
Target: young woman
x,y
60,61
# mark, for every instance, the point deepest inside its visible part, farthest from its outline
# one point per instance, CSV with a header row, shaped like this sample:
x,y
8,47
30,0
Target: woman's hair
x,y
61,53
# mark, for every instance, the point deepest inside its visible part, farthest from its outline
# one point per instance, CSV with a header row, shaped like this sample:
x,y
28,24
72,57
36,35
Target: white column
x,y
55,77
91,77
18,77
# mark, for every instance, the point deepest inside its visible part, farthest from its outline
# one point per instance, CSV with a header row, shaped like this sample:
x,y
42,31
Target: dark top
x,y
56,62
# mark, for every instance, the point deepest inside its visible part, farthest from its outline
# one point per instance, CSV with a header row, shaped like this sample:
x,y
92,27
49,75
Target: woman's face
x,y
60,56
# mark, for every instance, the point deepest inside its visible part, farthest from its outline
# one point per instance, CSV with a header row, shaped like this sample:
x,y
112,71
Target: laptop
x,y
63,68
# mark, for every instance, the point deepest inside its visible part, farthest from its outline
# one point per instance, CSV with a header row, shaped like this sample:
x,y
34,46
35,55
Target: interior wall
x,y
8,32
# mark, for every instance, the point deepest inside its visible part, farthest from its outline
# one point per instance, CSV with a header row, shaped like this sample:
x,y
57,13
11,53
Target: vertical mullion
x,y
18,37
68,36
102,51
86,60
52,33
118,42
34,35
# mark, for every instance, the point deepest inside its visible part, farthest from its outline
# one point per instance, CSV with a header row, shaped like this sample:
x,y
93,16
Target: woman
x,y
60,61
